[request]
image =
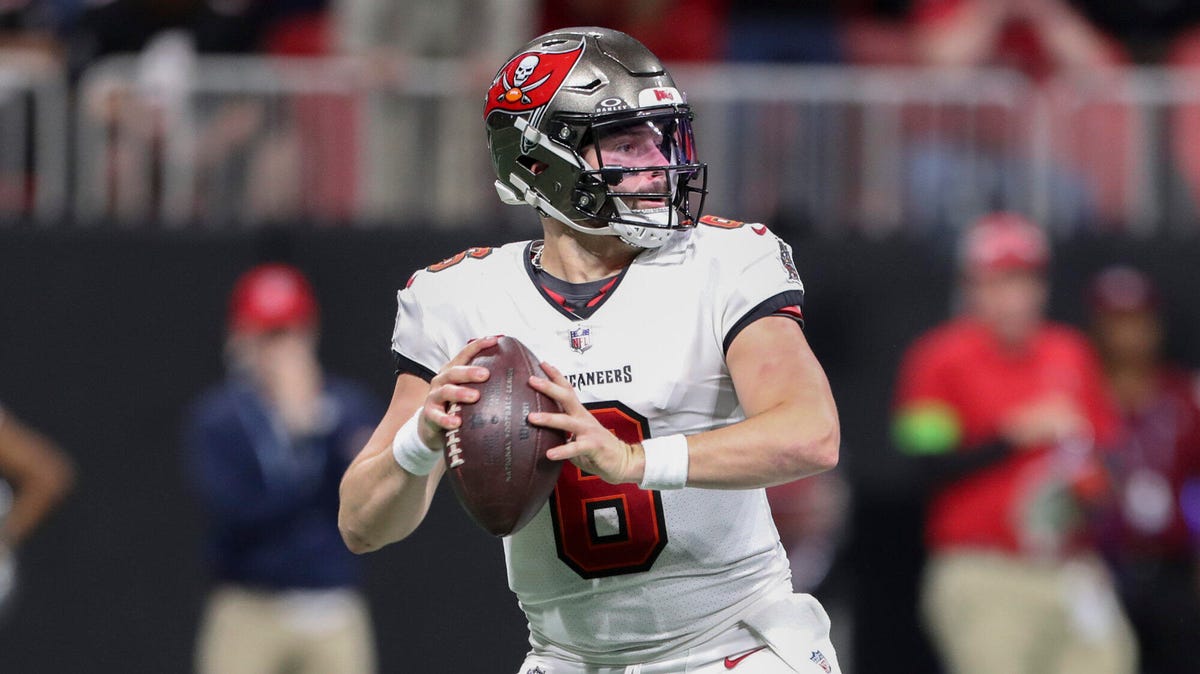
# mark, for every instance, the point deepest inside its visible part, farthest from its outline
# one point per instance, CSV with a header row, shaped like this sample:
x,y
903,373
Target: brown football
x,y
497,460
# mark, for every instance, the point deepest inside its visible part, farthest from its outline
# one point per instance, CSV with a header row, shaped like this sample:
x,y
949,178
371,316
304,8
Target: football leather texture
x,y
496,460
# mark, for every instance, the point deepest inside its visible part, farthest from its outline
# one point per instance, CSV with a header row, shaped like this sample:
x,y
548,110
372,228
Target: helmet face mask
x,y
645,163
599,139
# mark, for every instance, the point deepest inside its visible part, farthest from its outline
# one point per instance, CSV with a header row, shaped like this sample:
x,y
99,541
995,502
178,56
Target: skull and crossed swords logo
x,y
516,90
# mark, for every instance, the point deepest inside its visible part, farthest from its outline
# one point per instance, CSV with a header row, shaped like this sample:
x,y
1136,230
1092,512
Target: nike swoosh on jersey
x,y
731,661
759,230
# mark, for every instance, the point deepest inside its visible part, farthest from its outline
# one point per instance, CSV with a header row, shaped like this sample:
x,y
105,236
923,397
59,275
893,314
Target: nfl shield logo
x,y
821,661
581,338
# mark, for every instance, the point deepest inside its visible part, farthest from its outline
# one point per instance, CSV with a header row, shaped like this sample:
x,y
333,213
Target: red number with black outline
x,y
603,529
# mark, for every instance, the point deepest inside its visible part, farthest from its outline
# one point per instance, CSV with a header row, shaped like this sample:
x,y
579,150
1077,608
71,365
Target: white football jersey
x,y
611,574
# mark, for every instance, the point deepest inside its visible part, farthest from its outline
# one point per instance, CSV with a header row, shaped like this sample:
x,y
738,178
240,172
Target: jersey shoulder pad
x,y
737,243
463,266
719,223
733,232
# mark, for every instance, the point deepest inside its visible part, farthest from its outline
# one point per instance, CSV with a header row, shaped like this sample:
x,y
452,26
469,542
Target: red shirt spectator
x,y
1003,412
964,367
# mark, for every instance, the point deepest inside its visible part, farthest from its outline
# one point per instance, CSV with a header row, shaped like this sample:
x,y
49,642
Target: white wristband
x,y
410,451
666,463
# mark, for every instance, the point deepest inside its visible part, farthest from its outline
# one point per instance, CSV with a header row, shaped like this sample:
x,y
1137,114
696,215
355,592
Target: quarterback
x,y
673,343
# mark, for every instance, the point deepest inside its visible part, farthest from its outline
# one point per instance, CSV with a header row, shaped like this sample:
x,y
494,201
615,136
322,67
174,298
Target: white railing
x,y
241,141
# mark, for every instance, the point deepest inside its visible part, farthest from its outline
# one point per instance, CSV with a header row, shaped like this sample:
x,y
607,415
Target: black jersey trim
x,y
787,298
584,312
404,364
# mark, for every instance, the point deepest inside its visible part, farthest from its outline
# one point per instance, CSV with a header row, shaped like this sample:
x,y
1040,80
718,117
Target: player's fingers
x,y
556,376
555,420
570,450
472,349
561,392
460,374
451,393
440,416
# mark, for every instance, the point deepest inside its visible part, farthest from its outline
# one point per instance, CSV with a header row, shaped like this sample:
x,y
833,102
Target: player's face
x,y
1011,302
635,145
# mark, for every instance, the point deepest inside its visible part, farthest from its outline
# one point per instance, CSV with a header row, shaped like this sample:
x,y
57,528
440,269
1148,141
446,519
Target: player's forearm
x,y
381,503
37,494
776,446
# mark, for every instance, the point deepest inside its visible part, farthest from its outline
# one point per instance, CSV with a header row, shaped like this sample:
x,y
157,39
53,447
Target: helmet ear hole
x,y
532,165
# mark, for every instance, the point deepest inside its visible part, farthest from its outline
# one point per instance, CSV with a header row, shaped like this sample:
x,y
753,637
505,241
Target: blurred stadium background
x,y
152,150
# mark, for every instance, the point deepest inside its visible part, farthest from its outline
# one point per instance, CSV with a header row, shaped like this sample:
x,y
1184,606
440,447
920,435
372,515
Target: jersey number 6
x,y
603,529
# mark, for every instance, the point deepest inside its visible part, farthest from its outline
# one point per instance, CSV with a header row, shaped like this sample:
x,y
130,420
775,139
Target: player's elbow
x,y
815,451
361,539
827,450
354,539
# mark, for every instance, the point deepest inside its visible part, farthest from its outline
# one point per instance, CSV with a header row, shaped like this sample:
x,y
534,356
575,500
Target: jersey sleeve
x,y
418,339
759,279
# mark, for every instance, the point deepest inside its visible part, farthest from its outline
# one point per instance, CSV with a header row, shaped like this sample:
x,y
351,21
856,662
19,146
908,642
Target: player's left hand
x,y
591,446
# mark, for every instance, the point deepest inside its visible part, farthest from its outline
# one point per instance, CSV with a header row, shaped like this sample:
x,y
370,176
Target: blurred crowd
x,y
333,158
1032,35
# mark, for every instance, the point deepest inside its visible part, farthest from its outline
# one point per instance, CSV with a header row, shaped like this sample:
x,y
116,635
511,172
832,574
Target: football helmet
x,y
593,93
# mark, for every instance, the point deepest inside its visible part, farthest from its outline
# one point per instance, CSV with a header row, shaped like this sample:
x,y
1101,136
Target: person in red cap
x,y
1003,413
265,451
1149,532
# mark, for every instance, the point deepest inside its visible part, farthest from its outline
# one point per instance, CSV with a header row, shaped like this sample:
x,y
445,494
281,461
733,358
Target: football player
x,y
673,344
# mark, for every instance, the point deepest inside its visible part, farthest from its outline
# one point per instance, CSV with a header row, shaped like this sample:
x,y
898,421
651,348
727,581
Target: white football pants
x,y
789,635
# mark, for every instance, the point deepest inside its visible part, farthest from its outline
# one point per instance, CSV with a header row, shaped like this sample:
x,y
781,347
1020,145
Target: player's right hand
x,y
448,387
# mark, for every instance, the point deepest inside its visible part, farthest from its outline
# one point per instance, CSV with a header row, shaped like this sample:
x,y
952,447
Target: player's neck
x,y
578,258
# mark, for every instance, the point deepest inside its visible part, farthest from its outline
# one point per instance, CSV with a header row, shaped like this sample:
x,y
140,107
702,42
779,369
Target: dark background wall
x,y
105,337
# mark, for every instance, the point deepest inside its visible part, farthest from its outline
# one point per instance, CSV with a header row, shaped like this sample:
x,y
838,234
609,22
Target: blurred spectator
x,y
265,452
675,30
1156,469
29,49
1003,412
389,41
784,31
1039,39
29,32
34,477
